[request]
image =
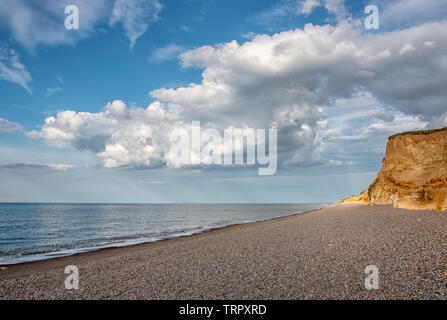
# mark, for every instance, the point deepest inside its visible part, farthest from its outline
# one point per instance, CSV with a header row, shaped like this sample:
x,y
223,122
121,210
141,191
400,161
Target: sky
x,y
86,114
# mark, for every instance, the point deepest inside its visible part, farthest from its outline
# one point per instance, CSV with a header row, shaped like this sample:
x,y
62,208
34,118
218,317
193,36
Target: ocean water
x,y
42,231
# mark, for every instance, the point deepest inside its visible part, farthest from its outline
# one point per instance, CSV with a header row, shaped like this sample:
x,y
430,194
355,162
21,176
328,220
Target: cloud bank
x,y
290,81
22,166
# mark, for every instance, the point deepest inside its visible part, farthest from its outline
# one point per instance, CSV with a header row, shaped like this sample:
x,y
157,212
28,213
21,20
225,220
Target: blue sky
x,y
334,90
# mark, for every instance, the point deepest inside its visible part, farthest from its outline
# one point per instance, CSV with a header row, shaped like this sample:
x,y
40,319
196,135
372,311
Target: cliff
x,y
414,173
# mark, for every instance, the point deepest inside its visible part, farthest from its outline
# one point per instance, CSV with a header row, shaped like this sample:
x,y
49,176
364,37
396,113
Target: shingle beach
x,y
314,255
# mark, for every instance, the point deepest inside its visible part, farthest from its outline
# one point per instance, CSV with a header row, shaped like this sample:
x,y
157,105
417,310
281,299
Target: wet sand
x,y
315,255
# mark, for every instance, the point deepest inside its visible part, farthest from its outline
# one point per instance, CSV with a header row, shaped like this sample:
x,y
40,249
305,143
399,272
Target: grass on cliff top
x,y
420,132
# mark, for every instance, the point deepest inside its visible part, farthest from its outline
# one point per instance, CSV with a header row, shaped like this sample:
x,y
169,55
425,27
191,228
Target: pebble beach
x,y
314,255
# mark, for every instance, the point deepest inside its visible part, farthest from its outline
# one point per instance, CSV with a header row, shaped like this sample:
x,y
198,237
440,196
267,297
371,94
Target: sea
x,y
30,232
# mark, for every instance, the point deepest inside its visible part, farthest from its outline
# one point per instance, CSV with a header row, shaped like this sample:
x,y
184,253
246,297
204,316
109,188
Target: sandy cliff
x,y
414,173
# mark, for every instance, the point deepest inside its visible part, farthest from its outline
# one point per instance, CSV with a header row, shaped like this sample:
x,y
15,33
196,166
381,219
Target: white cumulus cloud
x,y
119,135
289,81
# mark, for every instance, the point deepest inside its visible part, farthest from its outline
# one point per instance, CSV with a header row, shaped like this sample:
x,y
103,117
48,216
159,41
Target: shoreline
x,y
319,254
50,255
118,249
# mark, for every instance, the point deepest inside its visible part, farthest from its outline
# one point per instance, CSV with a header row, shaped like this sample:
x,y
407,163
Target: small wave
x,y
28,256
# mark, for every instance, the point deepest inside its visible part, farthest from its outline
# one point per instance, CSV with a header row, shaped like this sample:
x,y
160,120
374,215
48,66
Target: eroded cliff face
x,y
414,173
